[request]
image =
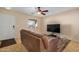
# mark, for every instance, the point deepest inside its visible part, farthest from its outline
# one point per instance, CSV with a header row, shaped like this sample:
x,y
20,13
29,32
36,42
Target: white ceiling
x,y
33,10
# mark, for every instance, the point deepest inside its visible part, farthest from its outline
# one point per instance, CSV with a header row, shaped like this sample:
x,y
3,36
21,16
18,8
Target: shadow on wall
x,y
76,37
66,29
70,31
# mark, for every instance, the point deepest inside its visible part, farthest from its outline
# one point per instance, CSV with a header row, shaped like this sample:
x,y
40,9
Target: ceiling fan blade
x,y
39,9
45,11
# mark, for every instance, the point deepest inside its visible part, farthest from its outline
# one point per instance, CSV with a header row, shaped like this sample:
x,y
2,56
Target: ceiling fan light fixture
x,y
38,13
43,12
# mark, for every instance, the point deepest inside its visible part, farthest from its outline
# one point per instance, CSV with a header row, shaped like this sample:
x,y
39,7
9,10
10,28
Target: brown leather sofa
x,y
35,42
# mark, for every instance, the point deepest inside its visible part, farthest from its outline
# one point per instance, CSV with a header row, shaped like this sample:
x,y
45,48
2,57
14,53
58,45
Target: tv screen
x,y
53,28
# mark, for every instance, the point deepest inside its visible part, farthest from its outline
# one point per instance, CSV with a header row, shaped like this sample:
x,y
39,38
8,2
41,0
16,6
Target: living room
x,y
66,17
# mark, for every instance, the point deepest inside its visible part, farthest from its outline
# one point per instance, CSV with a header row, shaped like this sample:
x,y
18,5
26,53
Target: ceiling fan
x,y
41,11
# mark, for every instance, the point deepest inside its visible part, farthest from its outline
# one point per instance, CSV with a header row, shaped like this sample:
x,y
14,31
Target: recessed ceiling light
x,y
8,8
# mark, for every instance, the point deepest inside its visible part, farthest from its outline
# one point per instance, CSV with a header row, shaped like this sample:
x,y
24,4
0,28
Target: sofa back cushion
x,y
33,33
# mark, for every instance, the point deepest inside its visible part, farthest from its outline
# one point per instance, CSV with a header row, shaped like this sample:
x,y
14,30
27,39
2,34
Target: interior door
x,y
7,25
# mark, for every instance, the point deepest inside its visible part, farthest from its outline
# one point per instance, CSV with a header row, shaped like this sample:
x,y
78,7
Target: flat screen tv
x,y
53,28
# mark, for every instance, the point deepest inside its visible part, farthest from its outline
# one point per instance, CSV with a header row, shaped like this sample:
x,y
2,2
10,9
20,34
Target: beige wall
x,y
20,20
69,22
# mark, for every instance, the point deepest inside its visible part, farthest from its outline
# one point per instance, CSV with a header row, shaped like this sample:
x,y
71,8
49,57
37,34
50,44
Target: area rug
x,y
8,42
62,44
